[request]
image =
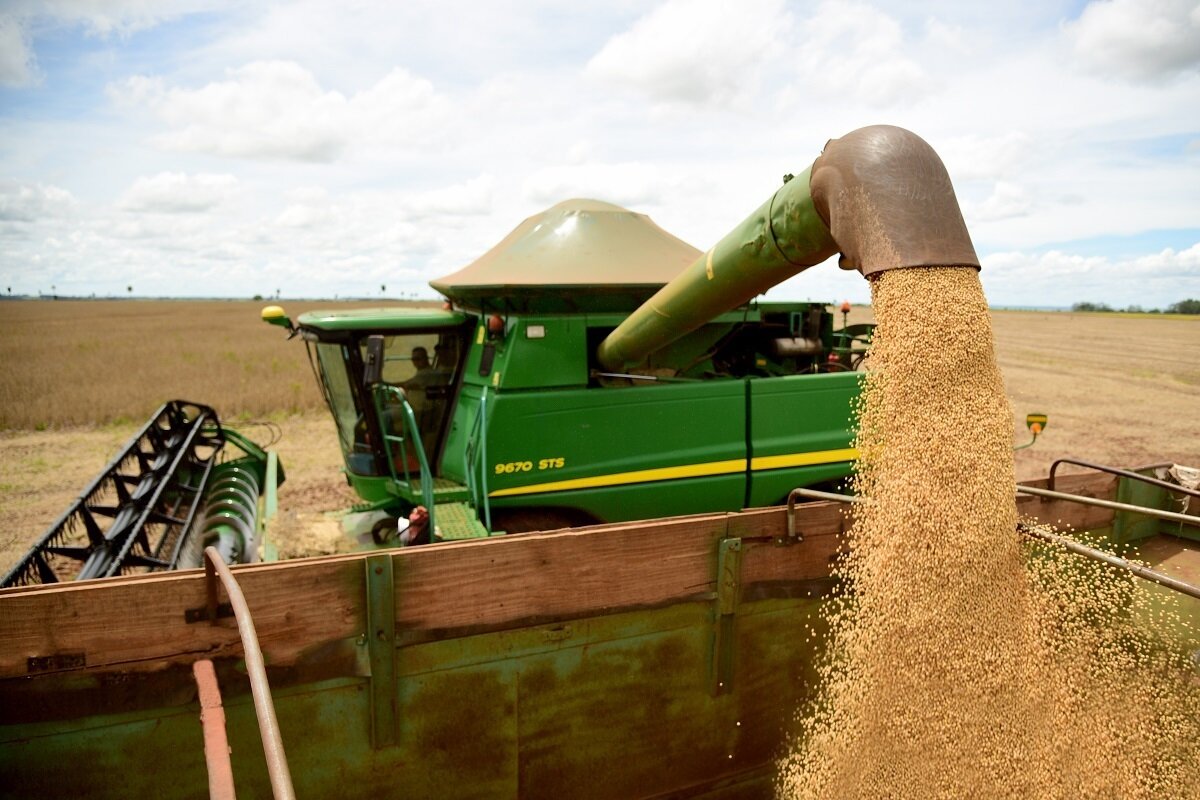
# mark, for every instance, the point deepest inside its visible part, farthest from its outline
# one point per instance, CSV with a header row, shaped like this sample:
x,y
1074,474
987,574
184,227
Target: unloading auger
x,y
879,196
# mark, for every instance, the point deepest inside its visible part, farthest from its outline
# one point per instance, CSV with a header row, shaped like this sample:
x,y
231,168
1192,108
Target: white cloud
x,y
1138,39
1169,263
1058,278
856,52
1006,201
694,51
686,111
278,110
470,198
369,213
946,37
176,193
24,202
985,157
16,58
630,184
267,109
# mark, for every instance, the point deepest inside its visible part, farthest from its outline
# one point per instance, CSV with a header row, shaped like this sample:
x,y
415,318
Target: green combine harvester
x,y
591,368
515,409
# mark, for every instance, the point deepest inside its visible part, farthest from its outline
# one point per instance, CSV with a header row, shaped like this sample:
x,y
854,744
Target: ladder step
x,y
457,521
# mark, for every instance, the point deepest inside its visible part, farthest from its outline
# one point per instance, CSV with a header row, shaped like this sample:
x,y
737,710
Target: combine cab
x,y
501,414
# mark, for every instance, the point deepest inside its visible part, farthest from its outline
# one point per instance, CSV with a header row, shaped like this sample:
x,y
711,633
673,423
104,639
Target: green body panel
x,y
676,431
798,414
607,434
557,358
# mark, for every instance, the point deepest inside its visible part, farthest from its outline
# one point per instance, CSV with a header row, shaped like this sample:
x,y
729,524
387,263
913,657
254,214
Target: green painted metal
x,y
369,319
729,573
614,437
784,236
824,403
457,522
649,448
383,394
535,712
381,646
544,352
1129,527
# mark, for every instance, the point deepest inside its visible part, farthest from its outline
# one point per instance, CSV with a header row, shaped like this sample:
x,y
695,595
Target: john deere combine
x,y
517,408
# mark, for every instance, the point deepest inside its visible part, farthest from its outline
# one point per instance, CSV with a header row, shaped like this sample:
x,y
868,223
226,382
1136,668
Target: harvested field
x,y
1118,389
69,362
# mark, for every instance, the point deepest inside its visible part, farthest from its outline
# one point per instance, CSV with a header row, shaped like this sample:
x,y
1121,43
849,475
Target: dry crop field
x,y
79,377
72,362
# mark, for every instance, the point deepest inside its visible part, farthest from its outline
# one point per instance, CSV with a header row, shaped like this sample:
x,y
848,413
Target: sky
x,y
314,149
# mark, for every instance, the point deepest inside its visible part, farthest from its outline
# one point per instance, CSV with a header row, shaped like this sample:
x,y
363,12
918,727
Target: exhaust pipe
x,y
879,196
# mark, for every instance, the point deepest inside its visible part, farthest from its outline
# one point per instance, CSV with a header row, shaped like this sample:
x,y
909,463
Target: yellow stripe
x,y
637,476
804,459
684,471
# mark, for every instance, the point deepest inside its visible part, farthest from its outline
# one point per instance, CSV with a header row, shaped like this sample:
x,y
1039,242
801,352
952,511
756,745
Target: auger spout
x,y
879,196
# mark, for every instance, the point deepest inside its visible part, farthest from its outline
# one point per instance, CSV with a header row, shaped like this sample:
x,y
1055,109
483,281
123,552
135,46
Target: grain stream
x,y
964,662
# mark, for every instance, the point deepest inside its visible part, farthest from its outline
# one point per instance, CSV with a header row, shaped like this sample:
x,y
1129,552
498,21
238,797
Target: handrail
x,y
483,490
476,458
1154,576
469,460
410,425
264,706
388,437
1170,516
1124,473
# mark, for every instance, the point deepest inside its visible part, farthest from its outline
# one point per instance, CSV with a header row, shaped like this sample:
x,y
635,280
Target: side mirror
x,y
373,361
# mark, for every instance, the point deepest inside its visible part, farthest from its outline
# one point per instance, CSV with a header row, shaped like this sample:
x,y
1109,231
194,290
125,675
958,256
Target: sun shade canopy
x,y
583,255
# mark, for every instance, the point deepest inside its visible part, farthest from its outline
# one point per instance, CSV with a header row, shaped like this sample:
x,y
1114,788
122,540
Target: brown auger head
x,y
888,202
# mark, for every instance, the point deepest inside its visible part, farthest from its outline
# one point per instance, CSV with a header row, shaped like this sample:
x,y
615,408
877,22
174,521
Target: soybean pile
x,y
964,660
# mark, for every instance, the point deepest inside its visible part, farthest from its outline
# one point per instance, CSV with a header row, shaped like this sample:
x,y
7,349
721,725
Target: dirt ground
x,y
1118,389
42,472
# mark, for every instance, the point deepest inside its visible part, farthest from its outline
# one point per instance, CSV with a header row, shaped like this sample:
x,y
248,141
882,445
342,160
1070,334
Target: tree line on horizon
x,y
1188,306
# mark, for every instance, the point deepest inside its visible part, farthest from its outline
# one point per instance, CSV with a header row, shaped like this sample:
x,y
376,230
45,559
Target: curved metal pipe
x,y
879,195
264,707
1123,473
